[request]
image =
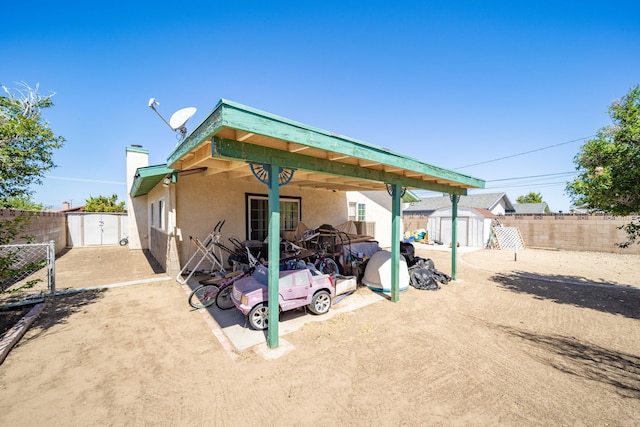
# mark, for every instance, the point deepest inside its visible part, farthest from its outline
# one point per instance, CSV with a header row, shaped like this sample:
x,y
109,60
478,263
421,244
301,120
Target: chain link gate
x,y
27,272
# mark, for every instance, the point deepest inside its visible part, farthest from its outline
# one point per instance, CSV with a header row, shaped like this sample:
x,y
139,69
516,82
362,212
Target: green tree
x,y
26,153
609,166
530,198
26,142
24,203
104,204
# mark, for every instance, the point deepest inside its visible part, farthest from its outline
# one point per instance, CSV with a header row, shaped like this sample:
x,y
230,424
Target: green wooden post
x,y
274,255
454,233
395,242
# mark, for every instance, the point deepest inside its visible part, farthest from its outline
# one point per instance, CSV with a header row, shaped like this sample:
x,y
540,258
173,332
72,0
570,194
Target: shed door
x,y
101,229
463,231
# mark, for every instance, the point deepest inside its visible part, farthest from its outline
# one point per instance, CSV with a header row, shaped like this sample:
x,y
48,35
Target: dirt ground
x,y
550,339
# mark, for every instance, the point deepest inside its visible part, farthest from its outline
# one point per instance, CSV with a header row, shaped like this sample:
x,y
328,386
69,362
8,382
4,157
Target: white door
x,y
462,231
101,229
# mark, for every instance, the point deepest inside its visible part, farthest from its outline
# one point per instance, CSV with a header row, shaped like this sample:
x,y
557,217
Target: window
x,y
361,212
257,210
353,206
160,213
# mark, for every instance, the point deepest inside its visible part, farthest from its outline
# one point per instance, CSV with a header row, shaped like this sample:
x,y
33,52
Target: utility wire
x,y
544,184
526,152
533,176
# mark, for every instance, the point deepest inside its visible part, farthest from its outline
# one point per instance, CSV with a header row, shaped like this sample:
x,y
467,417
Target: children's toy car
x,y
297,288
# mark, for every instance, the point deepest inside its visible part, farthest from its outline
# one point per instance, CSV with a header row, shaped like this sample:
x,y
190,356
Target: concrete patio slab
x,y
235,327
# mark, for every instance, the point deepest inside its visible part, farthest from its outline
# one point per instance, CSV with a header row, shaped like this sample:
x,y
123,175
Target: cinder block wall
x,y
575,232
44,226
414,222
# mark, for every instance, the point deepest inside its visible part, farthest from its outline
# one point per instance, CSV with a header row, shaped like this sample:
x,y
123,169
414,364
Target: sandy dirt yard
x,y
550,339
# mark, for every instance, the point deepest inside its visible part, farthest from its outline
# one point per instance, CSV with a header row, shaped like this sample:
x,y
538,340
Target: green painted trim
x,y
148,177
236,150
274,256
454,235
410,197
232,115
201,134
395,242
248,120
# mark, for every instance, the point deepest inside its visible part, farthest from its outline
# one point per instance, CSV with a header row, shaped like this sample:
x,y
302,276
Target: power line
x,y
534,176
526,152
540,185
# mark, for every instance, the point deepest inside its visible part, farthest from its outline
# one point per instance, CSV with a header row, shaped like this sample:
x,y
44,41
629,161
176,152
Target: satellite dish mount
x,y
178,120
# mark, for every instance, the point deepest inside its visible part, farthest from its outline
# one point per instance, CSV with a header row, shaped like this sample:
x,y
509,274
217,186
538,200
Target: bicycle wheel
x,y
203,296
329,266
223,299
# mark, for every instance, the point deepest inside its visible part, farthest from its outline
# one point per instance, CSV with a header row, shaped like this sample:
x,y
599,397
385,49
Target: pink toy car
x,y
297,288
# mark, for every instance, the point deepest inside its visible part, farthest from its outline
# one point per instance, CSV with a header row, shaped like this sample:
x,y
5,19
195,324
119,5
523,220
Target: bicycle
x,y
321,262
218,292
218,289
325,264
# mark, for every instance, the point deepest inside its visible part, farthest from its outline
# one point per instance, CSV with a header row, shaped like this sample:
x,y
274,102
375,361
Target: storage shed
x,y
474,226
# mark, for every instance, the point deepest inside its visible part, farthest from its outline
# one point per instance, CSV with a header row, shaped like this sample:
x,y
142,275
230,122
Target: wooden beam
x,y
243,136
333,157
225,148
296,148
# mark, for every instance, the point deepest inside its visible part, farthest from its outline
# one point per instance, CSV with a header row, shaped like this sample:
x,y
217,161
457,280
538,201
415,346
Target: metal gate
x,y
95,229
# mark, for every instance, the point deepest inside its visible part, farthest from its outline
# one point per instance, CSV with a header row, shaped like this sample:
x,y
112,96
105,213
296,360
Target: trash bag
x,y
408,252
423,275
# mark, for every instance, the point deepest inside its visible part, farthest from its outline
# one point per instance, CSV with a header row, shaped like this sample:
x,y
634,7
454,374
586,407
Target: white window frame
x,y
287,223
161,214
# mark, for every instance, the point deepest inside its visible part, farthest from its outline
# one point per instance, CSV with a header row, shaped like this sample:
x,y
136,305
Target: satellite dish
x,y
181,117
177,120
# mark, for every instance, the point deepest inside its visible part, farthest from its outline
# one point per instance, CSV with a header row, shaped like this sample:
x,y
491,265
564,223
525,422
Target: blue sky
x,y
454,84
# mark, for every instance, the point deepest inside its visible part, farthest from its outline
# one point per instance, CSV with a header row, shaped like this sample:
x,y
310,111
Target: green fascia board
x,y
236,116
410,197
147,178
236,150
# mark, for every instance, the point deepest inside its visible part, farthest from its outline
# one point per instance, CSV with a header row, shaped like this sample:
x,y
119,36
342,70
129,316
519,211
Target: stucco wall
x,y
44,226
201,201
160,241
598,233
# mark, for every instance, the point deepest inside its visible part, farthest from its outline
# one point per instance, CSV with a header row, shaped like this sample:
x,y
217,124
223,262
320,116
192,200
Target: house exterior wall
x,y
499,208
377,211
575,232
160,233
201,201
